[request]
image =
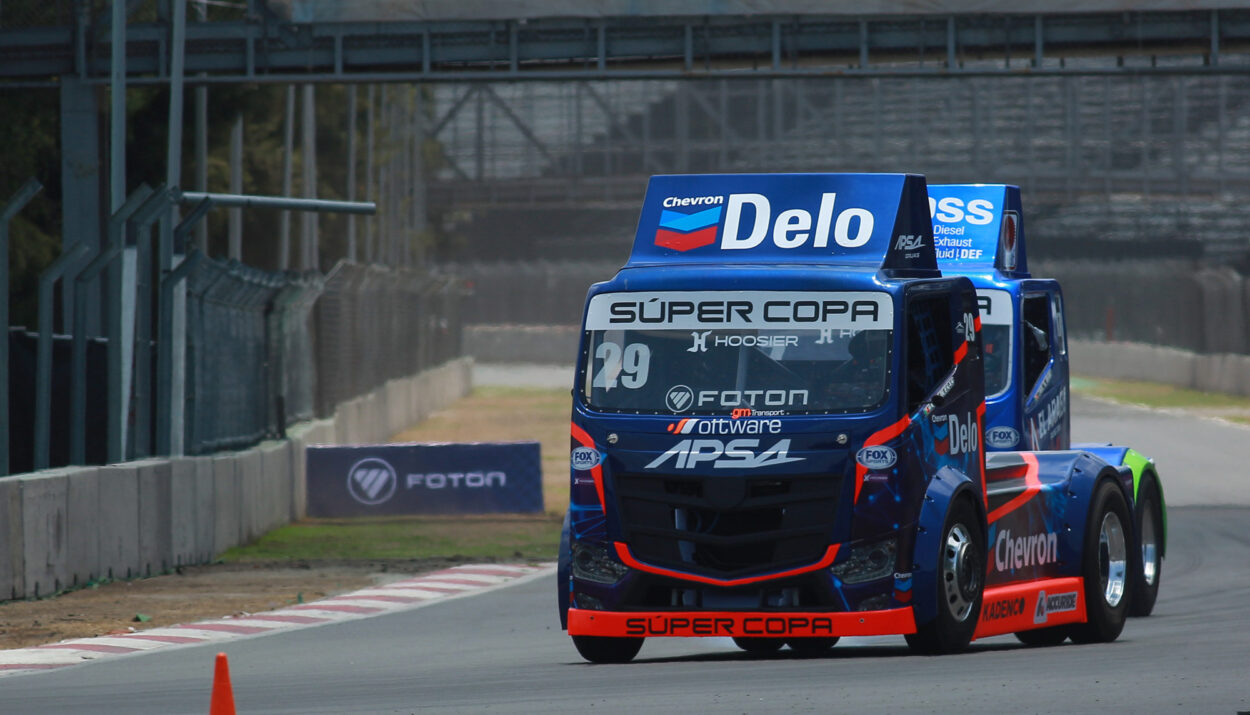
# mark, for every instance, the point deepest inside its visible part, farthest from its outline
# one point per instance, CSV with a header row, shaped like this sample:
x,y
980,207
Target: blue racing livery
x,y
780,425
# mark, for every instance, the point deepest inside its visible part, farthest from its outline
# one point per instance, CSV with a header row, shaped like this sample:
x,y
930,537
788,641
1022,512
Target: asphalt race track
x,y
503,651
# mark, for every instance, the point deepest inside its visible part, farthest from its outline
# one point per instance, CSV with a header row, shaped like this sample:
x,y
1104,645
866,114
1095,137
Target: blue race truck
x,y
978,232
777,437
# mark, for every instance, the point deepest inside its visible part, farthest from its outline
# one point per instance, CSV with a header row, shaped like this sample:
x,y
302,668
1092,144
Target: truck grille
x,y
727,527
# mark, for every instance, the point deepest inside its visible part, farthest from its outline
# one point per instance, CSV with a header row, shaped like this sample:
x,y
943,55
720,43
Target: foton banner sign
x,y
424,479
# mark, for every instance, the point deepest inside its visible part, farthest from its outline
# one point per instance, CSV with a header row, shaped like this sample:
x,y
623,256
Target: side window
x,y
1056,314
930,346
1036,329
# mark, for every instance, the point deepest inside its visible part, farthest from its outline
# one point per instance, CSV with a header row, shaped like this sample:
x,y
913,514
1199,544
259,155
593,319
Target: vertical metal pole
x,y
173,174
1145,136
723,108
479,147
370,180
288,148
1215,38
951,40
235,234
201,142
117,88
14,204
80,184
863,44
171,351
153,210
1179,125
776,45
43,359
682,131
351,169
308,144
1039,39
110,256
419,187
1221,129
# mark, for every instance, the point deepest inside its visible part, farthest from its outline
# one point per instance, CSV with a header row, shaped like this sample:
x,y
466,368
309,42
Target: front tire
x,y
812,646
1149,566
961,581
759,645
607,649
1105,567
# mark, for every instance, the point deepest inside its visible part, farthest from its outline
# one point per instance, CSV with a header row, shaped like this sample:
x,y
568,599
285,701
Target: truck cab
x,y
777,436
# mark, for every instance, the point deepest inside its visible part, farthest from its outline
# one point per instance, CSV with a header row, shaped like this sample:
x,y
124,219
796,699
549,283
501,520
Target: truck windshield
x,y
714,353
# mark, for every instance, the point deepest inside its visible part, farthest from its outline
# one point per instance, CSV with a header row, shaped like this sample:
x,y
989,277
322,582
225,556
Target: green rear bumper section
x,y
1139,463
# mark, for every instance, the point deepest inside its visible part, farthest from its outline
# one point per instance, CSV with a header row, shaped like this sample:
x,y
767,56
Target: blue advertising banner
x,y
395,479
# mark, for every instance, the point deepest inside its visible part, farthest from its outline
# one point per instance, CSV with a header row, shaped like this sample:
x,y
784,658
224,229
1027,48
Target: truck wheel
x,y
1147,570
960,574
812,646
759,645
1044,636
607,649
1105,567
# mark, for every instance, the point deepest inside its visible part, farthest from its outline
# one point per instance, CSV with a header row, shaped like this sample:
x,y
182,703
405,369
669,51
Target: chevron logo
x,y
685,232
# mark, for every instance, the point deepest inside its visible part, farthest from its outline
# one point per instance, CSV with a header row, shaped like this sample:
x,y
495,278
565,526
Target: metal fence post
x,y
140,441
78,410
43,359
15,203
171,340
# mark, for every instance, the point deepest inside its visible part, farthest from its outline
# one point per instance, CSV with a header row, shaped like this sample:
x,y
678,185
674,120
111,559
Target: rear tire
x,y
607,649
759,645
1148,568
1044,636
1105,567
960,583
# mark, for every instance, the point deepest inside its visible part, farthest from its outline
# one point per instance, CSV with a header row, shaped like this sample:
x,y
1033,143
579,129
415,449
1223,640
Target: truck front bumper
x,y
741,624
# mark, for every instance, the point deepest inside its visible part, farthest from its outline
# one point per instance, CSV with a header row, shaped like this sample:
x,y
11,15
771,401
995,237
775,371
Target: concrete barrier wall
x,y
1222,372
521,343
64,528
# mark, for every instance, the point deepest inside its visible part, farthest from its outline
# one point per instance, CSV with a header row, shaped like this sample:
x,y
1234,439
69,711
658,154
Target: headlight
x,y
592,563
869,561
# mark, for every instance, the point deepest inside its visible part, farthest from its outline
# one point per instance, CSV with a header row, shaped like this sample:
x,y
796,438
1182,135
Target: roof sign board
x,y
864,220
978,227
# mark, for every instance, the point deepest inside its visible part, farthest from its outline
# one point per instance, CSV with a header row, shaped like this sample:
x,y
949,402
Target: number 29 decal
x,y
630,366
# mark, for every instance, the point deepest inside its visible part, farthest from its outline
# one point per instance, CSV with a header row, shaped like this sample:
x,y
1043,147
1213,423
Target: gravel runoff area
x,y
201,592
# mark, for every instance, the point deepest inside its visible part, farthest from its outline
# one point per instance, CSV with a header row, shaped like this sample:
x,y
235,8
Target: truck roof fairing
x,y
878,221
979,228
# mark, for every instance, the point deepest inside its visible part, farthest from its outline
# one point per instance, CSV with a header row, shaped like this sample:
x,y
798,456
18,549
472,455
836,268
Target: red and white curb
x,y
393,597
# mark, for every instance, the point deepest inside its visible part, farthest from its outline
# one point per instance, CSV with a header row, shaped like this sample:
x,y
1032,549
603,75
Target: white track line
x,y
405,595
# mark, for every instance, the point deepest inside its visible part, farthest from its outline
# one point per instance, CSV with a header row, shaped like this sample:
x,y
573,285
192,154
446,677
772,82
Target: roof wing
x,y
979,227
861,220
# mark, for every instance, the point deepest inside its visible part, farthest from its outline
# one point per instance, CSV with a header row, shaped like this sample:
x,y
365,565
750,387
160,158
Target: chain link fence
x,y
375,324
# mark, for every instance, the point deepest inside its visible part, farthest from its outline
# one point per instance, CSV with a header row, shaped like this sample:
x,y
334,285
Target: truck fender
x,y
946,486
1142,468
563,575
1081,471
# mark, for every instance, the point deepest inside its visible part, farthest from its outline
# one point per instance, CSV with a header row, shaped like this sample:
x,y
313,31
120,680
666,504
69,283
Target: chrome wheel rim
x,y
1149,545
1112,559
961,574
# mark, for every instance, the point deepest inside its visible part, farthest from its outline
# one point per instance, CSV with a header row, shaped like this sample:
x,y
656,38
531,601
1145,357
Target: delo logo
x,y
876,457
720,425
793,228
962,436
1002,437
735,454
584,458
371,481
1058,603
684,232
1019,552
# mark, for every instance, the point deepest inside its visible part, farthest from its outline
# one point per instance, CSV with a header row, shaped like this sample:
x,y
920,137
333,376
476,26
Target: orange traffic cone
x,y
223,694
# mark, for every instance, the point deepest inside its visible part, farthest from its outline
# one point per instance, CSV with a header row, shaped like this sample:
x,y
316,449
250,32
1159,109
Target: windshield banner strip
x,y
761,310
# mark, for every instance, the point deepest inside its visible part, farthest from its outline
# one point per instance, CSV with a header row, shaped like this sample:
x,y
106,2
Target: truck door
x,y
1044,352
